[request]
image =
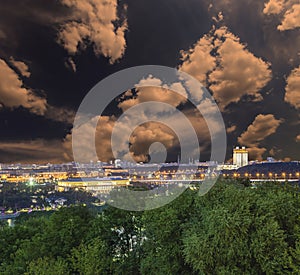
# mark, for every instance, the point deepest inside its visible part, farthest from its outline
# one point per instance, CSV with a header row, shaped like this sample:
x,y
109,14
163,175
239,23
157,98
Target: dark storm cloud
x,y
18,19
32,151
247,20
157,32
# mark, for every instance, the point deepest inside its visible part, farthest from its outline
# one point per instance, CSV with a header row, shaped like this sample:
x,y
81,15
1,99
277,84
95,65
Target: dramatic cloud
x,y
96,22
292,94
61,114
153,89
33,151
198,61
14,94
298,138
291,19
228,68
287,10
262,127
255,153
273,7
148,133
20,66
145,122
134,146
102,140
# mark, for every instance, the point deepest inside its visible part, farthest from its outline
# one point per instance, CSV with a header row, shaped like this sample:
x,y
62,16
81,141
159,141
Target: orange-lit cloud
x,y
291,19
231,72
287,10
155,128
255,153
262,127
20,66
152,89
292,94
198,61
273,7
148,133
95,21
13,94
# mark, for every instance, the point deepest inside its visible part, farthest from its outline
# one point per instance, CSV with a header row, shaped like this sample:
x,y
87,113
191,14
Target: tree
x,y
121,231
241,230
163,228
48,266
91,258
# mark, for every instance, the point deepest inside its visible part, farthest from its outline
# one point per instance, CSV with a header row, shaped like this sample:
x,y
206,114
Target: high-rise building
x,y
240,156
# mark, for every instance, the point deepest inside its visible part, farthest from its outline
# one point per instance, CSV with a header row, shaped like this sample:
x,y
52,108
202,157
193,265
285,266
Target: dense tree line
x,y
234,229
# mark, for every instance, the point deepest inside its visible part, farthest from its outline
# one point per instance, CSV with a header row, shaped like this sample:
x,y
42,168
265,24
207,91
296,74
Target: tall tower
x,y
240,156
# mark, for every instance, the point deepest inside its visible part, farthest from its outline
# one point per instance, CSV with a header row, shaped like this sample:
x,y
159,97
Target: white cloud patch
x,y
292,88
231,72
13,93
288,12
96,22
262,127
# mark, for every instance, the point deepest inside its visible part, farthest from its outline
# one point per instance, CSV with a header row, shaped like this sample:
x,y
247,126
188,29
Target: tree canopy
x,y
233,229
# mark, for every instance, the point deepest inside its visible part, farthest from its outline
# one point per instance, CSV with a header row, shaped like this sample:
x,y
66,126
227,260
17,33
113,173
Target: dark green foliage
x,y
240,231
91,258
233,229
48,266
164,246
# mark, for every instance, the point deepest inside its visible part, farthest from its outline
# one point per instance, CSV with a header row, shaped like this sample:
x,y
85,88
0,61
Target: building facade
x,y
240,156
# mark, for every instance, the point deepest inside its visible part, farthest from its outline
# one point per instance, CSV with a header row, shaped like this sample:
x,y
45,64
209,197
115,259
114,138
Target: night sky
x,y
246,53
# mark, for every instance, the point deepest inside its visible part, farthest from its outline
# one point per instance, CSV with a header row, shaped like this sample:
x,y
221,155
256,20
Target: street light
x,y
270,175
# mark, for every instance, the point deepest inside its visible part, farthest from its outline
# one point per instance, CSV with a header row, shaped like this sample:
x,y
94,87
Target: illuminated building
x,y
93,185
240,156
